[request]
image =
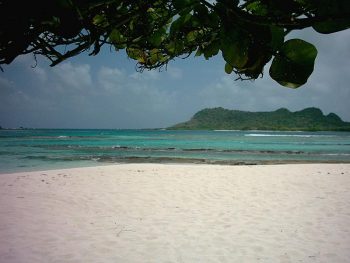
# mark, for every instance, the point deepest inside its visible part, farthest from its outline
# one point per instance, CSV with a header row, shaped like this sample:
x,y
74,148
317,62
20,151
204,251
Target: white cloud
x,y
79,95
174,73
111,79
266,95
26,60
5,83
146,75
327,88
134,92
40,73
73,76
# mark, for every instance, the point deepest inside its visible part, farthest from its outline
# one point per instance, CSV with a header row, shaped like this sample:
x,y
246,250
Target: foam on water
x,y
285,135
40,149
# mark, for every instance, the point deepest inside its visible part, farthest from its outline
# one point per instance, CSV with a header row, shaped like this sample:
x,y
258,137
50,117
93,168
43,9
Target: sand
x,y
177,213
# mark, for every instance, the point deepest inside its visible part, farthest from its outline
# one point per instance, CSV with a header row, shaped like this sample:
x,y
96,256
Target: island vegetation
x,y
309,119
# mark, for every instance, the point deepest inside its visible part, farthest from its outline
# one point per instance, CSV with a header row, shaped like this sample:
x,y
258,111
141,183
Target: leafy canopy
x,y
248,33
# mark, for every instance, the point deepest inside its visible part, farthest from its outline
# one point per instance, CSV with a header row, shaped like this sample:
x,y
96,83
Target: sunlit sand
x,y
177,213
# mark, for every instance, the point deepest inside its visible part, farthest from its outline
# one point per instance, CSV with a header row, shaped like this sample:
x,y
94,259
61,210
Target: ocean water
x,y
27,150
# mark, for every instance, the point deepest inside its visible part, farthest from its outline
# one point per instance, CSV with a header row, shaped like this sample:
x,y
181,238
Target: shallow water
x,y
24,150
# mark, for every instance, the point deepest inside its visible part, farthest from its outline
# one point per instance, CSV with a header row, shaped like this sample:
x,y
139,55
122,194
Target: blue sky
x,y
105,91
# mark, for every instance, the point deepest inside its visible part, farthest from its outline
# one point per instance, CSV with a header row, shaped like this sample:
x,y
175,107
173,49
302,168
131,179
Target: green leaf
x,y
179,23
212,49
228,68
155,56
201,12
181,4
115,36
257,8
338,13
277,37
175,47
136,54
234,47
199,52
294,63
332,26
157,37
99,20
171,47
191,36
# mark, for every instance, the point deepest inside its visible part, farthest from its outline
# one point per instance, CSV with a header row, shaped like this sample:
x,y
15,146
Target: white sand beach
x,y
177,213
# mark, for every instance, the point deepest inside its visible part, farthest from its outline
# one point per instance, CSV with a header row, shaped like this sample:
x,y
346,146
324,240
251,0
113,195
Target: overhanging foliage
x,y
247,33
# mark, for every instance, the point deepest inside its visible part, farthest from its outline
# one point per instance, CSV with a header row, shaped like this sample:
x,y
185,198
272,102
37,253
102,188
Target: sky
x,y
106,91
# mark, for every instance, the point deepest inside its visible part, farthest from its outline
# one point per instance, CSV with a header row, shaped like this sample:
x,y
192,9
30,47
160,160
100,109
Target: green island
x,y
309,119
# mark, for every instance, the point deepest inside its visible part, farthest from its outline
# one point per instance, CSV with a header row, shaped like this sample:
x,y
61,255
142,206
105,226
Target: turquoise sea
x,y
38,149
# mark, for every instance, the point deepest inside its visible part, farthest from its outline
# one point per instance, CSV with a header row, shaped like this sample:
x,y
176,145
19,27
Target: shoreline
x,y
53,149
167,161
177,213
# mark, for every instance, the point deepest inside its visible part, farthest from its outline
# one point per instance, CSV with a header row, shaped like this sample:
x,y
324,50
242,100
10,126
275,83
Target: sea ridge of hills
x,y
309,119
